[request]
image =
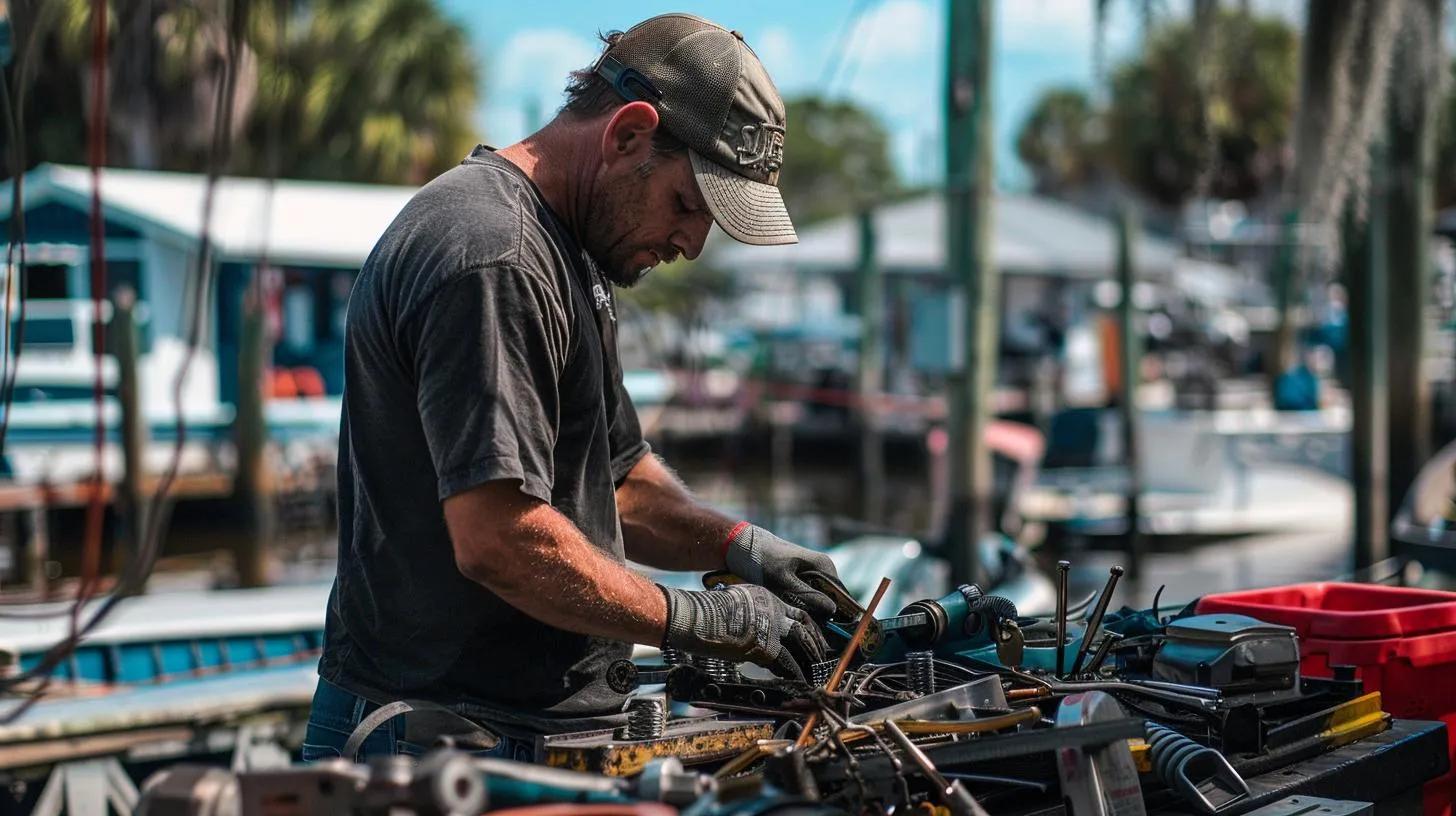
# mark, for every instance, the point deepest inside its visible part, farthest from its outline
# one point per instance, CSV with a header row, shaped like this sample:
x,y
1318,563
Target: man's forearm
x,y
542,565
663,526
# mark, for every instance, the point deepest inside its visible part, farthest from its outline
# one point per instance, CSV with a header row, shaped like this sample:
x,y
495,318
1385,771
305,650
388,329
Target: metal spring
x,y
723,671
673,656
1168,750
646,718
920,672
819,672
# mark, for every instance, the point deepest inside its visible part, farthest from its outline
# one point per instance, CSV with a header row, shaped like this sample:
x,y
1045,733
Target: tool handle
x,y
720,578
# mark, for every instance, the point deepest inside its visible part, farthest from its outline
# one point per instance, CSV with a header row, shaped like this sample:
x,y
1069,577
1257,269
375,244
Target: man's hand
x,y
744,623
760,557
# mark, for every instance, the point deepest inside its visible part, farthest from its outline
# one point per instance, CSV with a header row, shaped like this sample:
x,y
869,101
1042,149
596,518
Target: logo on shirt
x,y
603,300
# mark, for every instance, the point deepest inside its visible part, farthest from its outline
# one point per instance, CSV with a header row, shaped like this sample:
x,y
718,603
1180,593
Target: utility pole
x,y
1367,275
1412,130
870,379
968,200
1131,365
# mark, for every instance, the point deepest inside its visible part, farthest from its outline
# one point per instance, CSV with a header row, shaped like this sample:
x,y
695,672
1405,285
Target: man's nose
x,y
690,239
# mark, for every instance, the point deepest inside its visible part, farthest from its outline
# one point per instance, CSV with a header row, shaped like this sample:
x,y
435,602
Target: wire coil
x,y
722,671
646,718
920,672
1169,751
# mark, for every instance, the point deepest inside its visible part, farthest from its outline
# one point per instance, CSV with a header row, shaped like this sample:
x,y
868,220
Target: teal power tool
x,y
969,624
965,622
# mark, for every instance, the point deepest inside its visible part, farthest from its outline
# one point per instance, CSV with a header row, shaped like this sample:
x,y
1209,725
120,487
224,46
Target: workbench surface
x,y
1387,769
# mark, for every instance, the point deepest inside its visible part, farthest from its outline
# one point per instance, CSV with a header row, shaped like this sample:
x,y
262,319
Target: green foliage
x,y
359,90
367,90
1164,134
1060,141
837,159
1194,108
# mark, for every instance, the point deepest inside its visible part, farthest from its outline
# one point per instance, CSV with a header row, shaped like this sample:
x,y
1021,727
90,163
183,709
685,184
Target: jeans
x,y
336,712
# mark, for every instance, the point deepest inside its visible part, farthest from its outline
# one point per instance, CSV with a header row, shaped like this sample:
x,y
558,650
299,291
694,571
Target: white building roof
x,y
303,222
1030,235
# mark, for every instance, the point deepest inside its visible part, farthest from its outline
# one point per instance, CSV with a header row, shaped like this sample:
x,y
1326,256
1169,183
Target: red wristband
x,y
732,534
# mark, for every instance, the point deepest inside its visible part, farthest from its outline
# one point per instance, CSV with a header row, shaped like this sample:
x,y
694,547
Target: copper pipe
x,y
1027,694
833,685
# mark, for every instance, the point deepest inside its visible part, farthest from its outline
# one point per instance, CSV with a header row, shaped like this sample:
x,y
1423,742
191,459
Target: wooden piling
x,y
38,551
125,348
252,489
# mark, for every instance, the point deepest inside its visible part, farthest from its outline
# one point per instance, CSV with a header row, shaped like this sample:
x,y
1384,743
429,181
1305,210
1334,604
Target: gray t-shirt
x,y
480,345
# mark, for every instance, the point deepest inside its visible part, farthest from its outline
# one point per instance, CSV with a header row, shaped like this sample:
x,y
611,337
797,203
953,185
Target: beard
x,y
612,217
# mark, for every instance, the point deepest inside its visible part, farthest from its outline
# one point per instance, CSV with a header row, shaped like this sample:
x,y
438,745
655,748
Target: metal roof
x,y
303,222
1030,235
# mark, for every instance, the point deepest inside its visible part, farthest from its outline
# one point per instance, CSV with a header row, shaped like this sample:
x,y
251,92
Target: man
x,y
492,474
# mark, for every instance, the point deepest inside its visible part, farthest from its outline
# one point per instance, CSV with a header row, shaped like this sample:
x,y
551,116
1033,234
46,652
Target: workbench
x,y
1387,769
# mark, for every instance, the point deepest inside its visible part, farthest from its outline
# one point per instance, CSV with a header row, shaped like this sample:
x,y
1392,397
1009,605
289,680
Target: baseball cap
x,y
712,93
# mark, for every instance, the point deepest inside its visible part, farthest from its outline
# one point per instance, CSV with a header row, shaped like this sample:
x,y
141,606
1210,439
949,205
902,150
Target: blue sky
x,y
893,62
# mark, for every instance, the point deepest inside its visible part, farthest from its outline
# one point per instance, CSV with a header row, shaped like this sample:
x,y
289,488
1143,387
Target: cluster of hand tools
x,y
959,704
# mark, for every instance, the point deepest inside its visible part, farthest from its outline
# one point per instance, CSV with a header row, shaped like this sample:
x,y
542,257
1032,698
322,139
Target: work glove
x,y
744,622
760,557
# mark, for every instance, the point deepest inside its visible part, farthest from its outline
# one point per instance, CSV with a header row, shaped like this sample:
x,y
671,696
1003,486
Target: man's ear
x,y
629,133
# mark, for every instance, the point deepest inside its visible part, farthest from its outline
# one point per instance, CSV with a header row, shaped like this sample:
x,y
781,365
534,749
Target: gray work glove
x,y
760,557
744,622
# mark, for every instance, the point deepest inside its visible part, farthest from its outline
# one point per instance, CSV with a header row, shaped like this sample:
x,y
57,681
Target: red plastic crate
x,y
1402,643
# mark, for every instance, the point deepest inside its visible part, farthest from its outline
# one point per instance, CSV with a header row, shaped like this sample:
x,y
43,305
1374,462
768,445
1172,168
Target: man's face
x,y
644,214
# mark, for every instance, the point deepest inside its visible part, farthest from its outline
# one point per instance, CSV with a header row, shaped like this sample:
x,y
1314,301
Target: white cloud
x,y
536,61
895,30
775,49
1042,25
530,69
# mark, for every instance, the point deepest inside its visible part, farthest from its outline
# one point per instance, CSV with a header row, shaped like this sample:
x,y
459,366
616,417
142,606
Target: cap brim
x,y
750,211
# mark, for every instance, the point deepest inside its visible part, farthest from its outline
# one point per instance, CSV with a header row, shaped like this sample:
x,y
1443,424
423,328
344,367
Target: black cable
x,y
40,16
841,46
1082,605
13,112
150,545
134,576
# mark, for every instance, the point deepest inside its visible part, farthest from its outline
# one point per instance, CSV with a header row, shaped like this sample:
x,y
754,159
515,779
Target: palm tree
x,y
371,90
165,61
361,90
